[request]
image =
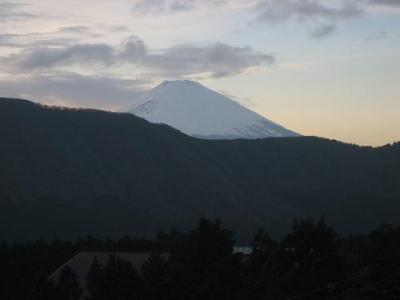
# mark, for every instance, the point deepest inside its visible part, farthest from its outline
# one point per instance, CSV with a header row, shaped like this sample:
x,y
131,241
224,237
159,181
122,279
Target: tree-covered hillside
x,y
65,173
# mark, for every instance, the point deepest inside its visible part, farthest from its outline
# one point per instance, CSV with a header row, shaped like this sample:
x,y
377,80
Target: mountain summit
x,y
198,111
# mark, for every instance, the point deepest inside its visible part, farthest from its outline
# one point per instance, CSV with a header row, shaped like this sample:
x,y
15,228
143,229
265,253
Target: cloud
x,y
14,11
117,28
133,50
29,40
394,3
218,60
270,11
380,35
70,89
63,35
9,40
48,57
323,31
75,29
330,12
215,60
277,11
40,58
157,6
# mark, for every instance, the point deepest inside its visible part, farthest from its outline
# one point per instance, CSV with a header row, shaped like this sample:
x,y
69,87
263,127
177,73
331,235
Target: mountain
x,y
198,111
66,173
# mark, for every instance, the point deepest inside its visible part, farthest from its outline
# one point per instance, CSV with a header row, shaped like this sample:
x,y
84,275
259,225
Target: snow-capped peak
x,y
198,111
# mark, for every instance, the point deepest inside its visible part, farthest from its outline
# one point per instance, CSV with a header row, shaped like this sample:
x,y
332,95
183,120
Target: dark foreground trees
x,y
311,262
117,280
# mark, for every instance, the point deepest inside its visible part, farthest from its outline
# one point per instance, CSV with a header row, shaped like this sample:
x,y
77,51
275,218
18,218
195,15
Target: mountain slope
x,y
198,111
67,173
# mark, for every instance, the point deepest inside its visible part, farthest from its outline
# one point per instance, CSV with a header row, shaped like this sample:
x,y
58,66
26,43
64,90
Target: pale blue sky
x,y
329,68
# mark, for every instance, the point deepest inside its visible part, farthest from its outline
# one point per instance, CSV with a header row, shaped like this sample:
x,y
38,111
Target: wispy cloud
x,y
158,6
269,11
30,40
80,29
64,35
323,31
14,11
394,3
216,60
277,11
327,12
73,89
49,57
379,35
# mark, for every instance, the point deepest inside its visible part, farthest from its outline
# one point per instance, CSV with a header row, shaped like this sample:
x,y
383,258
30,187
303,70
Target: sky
x,y
327,68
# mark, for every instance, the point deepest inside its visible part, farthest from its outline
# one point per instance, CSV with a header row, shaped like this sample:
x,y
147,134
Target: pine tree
x,y
117,280
205,264
156,278
94,280
262,268
314,261
68,284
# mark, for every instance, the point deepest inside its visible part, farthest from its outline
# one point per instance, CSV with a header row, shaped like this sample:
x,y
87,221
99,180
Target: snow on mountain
x,y
198,111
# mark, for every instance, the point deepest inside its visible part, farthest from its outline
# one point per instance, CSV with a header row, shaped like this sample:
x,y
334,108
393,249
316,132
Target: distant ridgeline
x,y
67,173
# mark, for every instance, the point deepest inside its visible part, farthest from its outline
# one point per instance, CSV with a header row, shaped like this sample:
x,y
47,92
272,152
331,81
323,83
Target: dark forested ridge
x,y
66,173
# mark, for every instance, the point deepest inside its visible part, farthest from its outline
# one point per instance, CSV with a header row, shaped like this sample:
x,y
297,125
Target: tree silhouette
x,y
205,265
68,285
94,280
310,262
117,280
157,278
262,271
312,252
